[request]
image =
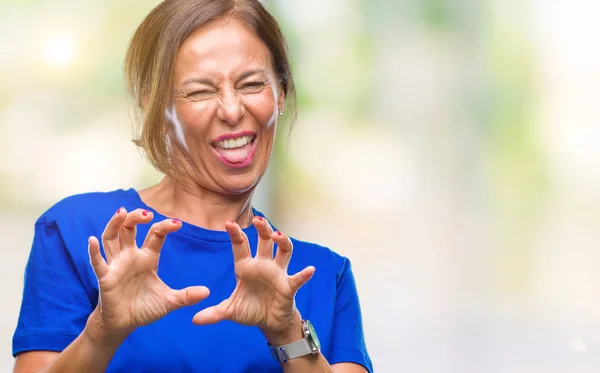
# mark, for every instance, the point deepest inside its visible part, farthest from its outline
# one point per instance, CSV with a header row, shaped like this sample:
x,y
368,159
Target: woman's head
x,y
210,78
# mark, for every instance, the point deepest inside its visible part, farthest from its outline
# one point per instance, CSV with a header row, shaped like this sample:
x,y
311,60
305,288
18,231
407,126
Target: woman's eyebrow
x,y
252,72
243,76
197,81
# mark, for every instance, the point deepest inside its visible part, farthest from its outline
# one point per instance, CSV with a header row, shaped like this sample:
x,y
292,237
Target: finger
x,y
301,278
265,243
239,241
188,296
284,249
96,260
110,236
128,229
211,315
157,234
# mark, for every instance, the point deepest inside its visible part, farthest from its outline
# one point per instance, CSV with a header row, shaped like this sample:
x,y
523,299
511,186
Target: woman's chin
x,y
239,184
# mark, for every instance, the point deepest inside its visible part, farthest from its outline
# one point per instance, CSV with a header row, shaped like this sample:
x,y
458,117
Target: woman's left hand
x,y
264,294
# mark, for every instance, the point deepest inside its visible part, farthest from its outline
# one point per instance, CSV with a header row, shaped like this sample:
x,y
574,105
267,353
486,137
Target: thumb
x,y
301,278
97,261
188,296
211,315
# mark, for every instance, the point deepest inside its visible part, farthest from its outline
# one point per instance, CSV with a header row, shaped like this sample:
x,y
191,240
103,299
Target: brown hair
x,y
151,54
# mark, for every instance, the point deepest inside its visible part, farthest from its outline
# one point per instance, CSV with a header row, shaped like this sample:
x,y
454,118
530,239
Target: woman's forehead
x,y
225,47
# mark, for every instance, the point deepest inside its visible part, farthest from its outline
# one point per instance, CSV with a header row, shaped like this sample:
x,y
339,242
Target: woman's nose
x,y
231,110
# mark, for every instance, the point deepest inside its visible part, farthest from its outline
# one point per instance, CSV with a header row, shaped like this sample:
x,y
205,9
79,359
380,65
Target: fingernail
x,y
279,233
259,218
175,221
145,213
119,210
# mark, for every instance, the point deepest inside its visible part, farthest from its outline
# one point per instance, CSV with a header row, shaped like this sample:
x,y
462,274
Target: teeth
x,y
234,143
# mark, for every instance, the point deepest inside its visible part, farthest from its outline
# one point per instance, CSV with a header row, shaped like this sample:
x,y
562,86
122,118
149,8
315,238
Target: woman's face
x,y
225,107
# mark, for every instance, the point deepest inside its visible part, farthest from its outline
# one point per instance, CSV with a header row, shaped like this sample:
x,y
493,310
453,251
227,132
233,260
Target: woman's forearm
x,y
308,363
304,364
90,352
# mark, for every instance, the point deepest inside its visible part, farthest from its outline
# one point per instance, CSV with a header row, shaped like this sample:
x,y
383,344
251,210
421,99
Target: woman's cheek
x,y
195,116
201,106
262,106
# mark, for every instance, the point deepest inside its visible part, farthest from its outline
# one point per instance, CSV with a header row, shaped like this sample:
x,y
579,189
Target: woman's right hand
x,y
131,293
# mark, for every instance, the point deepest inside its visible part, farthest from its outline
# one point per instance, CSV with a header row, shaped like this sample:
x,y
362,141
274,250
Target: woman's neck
x,y
198,206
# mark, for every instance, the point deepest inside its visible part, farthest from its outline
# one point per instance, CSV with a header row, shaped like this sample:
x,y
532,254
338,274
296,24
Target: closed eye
x,y
253,87
253,84
199,94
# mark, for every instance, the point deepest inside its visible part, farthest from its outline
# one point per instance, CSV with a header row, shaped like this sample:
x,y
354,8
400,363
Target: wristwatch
x,y
309,345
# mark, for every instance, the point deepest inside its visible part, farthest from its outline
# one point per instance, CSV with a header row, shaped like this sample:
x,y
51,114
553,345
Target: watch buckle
x,y
279,354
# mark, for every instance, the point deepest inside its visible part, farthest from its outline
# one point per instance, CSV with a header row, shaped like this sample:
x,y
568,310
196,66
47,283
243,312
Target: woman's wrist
x,y
96,333
290,332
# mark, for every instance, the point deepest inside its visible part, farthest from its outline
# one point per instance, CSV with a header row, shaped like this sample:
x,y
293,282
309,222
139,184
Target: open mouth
x,y
236,151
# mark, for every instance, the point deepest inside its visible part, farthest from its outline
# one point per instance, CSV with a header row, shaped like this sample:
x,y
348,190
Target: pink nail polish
x,y
279,233
119,210
175,221
145,213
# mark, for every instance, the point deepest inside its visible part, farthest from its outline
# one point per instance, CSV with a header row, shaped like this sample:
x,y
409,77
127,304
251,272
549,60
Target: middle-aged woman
x,y
211,79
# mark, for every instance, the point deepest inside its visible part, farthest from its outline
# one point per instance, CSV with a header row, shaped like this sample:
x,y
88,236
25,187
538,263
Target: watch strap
x,y
291,351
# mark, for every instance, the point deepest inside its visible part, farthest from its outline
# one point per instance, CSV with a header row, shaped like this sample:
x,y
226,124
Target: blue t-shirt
x,y
61,291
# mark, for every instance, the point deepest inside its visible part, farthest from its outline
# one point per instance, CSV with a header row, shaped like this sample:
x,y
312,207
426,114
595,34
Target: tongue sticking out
x,y
235,155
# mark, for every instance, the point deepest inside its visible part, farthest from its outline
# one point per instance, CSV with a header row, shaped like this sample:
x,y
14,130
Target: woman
x,y
211,78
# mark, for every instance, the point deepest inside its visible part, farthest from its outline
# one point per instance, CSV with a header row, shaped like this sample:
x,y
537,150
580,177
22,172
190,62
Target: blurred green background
x,y
450,148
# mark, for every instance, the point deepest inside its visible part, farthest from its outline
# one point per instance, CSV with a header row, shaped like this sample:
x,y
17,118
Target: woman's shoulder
x,y
319,254
309,250
91,204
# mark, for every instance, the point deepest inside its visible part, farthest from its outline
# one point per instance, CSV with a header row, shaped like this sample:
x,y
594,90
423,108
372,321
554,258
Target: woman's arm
x,y
319,364
264,296
130,294
310,363
91,352
34,361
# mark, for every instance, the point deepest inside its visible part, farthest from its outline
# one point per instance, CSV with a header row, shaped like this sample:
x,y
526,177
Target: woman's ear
x,y
281,101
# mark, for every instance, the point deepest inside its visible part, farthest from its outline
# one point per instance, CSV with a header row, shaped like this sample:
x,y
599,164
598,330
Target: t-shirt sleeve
x,y
55,304
348,342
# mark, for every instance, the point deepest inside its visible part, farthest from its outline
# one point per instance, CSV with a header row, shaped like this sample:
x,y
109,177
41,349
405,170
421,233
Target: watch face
x,y
313,335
